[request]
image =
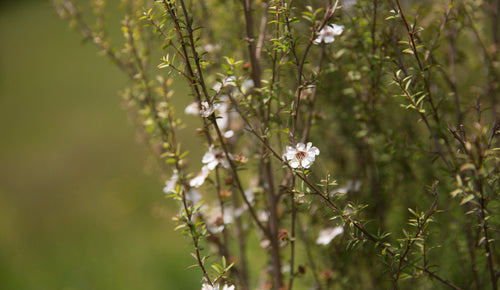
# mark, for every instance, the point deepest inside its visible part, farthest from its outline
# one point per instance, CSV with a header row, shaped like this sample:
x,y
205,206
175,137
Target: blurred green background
x,y
81,207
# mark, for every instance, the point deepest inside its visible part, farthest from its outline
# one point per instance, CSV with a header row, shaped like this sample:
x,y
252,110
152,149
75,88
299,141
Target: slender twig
x,y
427,124
486,242
418,233
250,38
124,65
310,258
300,62
292,236
325,197
262,32
422,69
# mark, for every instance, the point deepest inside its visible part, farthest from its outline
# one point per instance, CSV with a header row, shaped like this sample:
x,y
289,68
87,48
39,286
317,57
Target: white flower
x,y
265,244
328,33
223,112
228,134
250,197
192,109
171,184
263,216
227,81
328,234
214,219
211,48
351,186
349,3
193,196
200,178
207,109
222,109
247,85
216,287
301,155
214,157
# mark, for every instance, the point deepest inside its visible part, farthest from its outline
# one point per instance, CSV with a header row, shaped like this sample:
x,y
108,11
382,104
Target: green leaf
x,y
467,199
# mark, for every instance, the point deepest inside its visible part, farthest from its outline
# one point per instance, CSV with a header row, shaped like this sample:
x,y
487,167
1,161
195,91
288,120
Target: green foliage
x,y
384,93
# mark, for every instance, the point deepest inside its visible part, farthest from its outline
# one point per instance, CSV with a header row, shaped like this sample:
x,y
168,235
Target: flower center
x,y
300,155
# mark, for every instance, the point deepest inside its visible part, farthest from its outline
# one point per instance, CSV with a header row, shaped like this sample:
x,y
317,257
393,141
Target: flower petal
x,y
313,151
294,163
337,29
300,146
329,39
306,163
328,234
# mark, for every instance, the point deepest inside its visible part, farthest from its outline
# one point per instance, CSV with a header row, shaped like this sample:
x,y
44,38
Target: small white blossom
x,y
214,157
351,186
349,3
265,244
216,287
228,134
262,216
192,109
200,178
207,109
328,234
328,33
250,196
221,108
171,184
223,112
193,196
209,48
247,85
214,219
302,155
226,82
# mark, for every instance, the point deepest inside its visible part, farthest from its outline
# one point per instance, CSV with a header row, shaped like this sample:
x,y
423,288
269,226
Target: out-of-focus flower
x,y
349,3
247,85
193,196
171,184
328,234
226,82
214,157
216,287
262,216
250,196
211,48
228,134
328,33
192,109
302,155
223,112
215,220
200,178
351,186
265,244
221,108
207,109
306,92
